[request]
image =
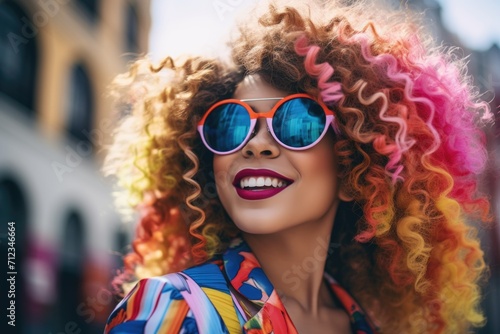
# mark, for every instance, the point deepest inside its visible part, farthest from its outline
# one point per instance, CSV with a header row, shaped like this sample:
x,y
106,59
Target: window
x,y
13,219
131,29
91,6
71,271
18,55
80,105
13,206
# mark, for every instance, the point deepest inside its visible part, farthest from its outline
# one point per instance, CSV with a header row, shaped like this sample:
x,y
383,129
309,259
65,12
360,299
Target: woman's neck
x,y
294,261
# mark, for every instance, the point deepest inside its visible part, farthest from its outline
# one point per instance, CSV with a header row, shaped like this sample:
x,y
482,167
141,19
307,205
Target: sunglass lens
x,y
299,122
226,127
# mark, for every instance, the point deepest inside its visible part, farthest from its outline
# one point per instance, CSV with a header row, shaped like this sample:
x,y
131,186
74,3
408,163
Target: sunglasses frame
x,y
268,115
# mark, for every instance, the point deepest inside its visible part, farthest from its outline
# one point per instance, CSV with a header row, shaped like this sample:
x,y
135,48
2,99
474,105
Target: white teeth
x,y
252,182
261,181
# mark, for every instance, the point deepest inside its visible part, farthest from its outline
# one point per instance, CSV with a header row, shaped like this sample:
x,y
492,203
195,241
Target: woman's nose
x,y
262,144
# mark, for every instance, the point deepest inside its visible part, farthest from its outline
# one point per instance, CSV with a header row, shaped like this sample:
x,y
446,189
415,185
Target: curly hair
x,y
408,143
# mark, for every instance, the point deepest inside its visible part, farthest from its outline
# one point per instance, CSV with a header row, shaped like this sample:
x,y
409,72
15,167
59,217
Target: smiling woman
x,y
308,178
319,182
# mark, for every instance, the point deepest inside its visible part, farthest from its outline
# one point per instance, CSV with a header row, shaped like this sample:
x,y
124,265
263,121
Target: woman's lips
x,y
256,184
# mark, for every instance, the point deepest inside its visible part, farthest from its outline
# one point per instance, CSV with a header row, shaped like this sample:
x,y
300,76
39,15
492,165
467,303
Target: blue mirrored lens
x,y
226,127
299,122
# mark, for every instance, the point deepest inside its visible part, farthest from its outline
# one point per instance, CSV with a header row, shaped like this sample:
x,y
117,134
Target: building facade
x,y
57,58
58,222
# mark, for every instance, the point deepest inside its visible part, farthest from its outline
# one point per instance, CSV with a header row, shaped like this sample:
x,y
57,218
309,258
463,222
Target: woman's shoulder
x,y
149,302
176,301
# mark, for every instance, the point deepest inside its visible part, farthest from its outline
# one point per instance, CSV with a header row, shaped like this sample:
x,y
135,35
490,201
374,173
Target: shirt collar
x,y
247,277
245,273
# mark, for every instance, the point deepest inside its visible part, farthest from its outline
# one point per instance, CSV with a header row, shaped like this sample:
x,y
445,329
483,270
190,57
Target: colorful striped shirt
x,y
201,300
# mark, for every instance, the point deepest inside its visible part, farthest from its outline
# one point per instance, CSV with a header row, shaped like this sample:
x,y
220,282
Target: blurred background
x,y
57,58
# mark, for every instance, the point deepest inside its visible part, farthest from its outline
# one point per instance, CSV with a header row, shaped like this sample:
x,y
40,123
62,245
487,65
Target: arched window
x,y
13,208
13,219
73,250
131,29
18,55
80,105
13,202
71,269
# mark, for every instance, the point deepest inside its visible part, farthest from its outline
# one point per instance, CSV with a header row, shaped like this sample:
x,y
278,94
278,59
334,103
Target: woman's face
x,y
300,187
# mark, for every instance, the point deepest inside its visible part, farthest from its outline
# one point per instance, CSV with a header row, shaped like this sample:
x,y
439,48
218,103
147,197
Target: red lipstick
x,y
258,193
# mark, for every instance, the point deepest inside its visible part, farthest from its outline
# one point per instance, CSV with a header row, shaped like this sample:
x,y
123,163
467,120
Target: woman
x,y
320,183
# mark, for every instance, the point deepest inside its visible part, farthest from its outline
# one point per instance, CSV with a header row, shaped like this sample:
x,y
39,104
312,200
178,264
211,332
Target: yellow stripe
x,y
224,305
172,322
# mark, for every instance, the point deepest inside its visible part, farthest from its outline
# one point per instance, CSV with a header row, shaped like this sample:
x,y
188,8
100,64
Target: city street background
x,y
57,58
